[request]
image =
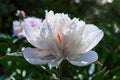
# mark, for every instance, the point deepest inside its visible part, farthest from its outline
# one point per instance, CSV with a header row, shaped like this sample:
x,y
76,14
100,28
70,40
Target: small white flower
x,y
20,13
18,25
60,37
17,28
103,2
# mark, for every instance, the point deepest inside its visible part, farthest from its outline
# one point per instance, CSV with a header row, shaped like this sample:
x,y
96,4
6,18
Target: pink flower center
x,y
33,23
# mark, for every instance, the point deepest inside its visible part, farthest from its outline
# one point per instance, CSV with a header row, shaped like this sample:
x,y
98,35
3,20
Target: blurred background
x,y
103,13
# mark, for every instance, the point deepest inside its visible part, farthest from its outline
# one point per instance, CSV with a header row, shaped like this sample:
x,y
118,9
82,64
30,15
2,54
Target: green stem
x,y
60,71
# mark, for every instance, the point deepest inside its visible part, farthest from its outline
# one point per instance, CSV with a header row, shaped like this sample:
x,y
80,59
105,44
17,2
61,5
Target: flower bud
x,y
20,13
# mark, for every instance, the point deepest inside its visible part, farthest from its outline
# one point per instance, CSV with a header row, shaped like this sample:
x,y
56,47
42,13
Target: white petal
x,y
31,35
91,37
49,17
37,61
17,24
74,35
21,34
90,28
17,28
35,56
38,36
85,59
55,62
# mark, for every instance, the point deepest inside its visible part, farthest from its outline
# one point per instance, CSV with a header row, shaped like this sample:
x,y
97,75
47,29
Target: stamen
x,y
33,24
59,38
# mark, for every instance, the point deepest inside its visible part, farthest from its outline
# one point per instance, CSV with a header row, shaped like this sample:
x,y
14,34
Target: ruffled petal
x,y
74,36
34,56
85,59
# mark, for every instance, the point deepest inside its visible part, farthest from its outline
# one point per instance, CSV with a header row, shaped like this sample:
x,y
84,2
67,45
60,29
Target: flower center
x,y
59,38
33,24
62,47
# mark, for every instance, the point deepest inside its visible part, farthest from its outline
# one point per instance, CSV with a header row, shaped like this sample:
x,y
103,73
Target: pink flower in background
x,y
59,37
18,25
32,21
17,28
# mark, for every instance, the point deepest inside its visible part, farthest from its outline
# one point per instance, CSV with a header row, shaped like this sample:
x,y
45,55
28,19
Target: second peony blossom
x,y
30,21
60,37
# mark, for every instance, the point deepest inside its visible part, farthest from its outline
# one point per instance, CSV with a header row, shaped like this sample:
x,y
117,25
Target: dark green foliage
x,y
106,17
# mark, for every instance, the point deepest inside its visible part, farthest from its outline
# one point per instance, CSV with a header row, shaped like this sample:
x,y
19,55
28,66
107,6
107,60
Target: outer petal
x,y
93,39
55,62
16,25
31,34
38,35
35,56
17,28
90,28
85,59
92,35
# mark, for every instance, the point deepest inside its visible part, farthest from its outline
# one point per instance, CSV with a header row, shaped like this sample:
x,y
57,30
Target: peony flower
x,y
60,37
18,25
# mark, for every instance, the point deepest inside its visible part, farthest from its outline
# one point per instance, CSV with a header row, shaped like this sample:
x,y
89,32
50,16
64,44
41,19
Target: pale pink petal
x,y
74,37
89,38
85,59
56,62
17,28
37,61
31,35
93,39
35,56
92,36
89,28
